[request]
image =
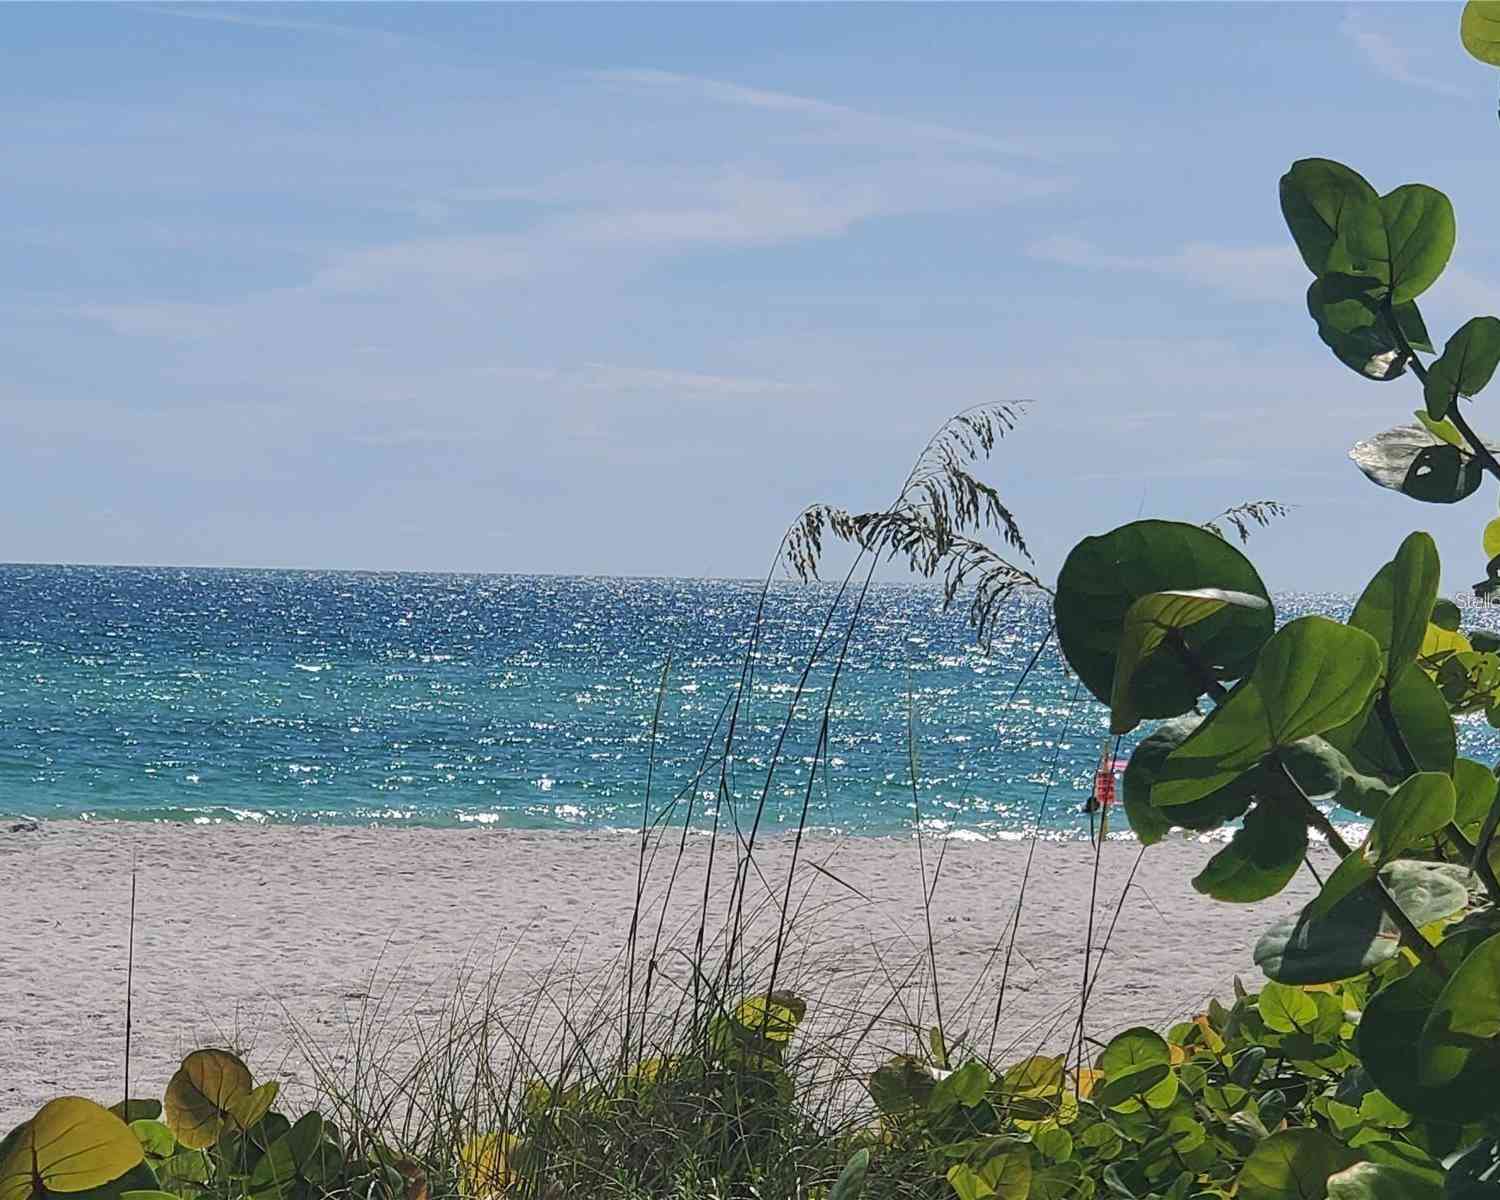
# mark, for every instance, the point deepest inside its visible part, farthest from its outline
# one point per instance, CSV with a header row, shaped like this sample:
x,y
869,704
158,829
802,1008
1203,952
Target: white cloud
x,y
1392,59
225,15
1254,273
851,124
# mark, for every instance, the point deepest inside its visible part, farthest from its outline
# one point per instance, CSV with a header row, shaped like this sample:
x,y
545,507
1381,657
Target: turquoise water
x,y
226,695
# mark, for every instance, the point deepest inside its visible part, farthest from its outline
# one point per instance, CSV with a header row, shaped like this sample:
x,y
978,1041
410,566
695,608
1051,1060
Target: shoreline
x,y
245,930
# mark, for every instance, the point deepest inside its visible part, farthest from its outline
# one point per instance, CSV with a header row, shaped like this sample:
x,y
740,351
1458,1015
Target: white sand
x,y
240,927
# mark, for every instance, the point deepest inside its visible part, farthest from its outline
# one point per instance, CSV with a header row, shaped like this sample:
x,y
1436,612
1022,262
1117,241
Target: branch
x,y
1205,678
1410,934
1480,450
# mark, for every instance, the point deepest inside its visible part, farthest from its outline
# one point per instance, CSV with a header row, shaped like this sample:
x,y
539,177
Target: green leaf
x,y
1421,806
1005,1176
1150,823
1133,1063
294,1157
1469,680
1372,1181
136,1110
1446,615
1103,576
155,1138
1474,785
1148,622
201,1097
1395,606
1444,430
1387,1038
1479,29
1313,675
1491,539
1286,1009
1350,319
851,1180
1293,1165
1404,239
71,1145
1260,859
1410,460
1356,935
1420,712
1465,1020
1315,194
1467,363
1353,872
1327,777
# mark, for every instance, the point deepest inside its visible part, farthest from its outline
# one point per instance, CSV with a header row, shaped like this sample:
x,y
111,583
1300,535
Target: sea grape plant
x,y
1161,620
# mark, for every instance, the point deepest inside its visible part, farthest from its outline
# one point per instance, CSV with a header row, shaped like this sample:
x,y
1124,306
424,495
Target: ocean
x,y
203,695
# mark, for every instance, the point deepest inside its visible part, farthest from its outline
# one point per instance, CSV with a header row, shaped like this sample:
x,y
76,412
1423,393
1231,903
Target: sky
x,y
619,290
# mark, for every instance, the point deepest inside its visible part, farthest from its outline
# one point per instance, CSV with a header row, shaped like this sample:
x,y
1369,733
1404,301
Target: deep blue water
x,y
160,693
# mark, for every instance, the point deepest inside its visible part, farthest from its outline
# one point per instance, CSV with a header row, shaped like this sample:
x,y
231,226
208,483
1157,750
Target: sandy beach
x,y
243,932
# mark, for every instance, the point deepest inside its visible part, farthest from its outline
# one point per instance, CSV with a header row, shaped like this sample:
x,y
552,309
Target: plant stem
x,y
1482,452
1206,681
1410,765
1410,934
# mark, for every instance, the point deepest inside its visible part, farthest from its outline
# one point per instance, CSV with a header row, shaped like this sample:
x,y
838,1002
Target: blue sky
x,y
619,290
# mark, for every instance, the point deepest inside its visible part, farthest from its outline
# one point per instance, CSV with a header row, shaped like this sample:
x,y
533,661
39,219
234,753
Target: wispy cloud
x,y
853,124
225,15
1390,58
717,209
1255,273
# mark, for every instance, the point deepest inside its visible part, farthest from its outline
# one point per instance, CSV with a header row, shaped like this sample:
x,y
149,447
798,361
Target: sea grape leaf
x,y
1387,1039
1474,785
1103,576
1133,1063
1004,1176
1352,321
1260,859
1446,614
70,1145
1347,310
1465,1020
1353,872
1312,676
1438,643
1410,460
851,1181
1315,194
1286,1009
1149,823
1479,29
1148,622
201,1096
1294,1164
1421,806
1444,430
137,1110
296,1156
1467,363
1396,605
1356,935
1469,680
1420,713
155,1138
1404,239
1376,1181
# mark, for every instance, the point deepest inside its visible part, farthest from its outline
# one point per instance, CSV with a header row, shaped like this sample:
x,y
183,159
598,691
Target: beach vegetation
x,y
1363,1068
